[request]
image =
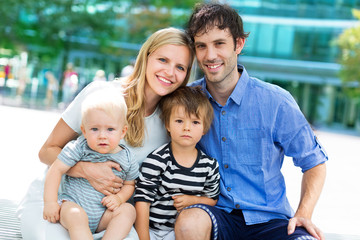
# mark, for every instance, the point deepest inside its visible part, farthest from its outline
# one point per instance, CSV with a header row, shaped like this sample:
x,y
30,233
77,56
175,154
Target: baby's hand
x,y
51,212
111,201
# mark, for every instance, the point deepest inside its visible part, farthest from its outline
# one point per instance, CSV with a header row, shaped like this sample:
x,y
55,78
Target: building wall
x,y
292,44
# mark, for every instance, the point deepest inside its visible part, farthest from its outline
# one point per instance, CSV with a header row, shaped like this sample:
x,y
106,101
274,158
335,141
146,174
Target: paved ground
x,y
23,131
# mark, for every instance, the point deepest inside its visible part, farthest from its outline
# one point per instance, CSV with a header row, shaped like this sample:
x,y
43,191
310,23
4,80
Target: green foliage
x,y
349,42
50,27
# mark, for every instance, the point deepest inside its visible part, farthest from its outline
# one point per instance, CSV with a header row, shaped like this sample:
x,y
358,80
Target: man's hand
x,y
307,224
101,176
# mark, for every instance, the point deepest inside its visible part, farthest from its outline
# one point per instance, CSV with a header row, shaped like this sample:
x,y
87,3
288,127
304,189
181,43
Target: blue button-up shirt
x,y
259,124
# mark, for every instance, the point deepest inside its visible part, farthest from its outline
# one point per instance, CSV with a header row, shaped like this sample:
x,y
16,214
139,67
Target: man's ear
x,y
240,43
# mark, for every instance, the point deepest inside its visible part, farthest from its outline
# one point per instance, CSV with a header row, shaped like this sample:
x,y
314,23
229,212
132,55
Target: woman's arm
x,y
58,138
99,175
142,220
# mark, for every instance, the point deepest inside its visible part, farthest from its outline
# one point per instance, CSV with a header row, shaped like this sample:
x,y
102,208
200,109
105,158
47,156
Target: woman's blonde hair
x,y
135,83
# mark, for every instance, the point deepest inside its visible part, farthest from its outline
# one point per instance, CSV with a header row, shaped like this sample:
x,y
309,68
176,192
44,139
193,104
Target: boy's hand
x,y
182,201
112,201
51,212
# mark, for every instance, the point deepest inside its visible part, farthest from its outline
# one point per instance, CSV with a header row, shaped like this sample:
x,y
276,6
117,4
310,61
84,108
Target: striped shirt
x,y
79,190
161,177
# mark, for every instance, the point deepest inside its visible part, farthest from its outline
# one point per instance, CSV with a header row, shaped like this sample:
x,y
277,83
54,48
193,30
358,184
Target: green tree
x,y
349,43
52,26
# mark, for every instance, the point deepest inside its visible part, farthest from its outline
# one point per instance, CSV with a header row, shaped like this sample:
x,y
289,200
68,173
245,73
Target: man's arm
x,y
311,187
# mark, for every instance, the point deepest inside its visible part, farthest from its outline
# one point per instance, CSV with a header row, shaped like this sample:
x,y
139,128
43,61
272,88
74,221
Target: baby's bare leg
x,y
75,220
118,222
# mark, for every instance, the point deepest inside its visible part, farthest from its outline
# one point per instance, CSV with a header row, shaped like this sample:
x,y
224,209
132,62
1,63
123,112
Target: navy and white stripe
x,y
161,177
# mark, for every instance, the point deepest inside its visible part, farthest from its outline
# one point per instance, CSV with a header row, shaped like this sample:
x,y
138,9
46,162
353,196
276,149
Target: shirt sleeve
x,y
149,179
133,171
295,135
211,188
71,153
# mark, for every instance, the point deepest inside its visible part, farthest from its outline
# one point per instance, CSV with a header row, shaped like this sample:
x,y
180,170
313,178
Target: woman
x,y
163,64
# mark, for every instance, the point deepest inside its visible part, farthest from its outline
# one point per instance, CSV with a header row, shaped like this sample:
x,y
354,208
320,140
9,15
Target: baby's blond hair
x,y
109,100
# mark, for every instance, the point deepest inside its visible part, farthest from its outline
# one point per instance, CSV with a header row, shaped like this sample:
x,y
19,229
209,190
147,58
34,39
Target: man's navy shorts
x,y
232,226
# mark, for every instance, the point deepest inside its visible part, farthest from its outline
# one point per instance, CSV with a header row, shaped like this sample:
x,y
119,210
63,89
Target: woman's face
x,y
166,69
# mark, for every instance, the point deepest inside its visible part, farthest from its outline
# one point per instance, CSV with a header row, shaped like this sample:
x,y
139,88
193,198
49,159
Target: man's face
x,y
217,55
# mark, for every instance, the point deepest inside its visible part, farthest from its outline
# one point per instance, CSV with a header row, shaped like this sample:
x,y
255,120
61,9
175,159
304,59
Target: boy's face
x,y
217,55
102,131
185,130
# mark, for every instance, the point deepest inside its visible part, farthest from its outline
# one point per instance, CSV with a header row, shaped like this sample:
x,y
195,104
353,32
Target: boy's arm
x,y
182,201
51,187
142,220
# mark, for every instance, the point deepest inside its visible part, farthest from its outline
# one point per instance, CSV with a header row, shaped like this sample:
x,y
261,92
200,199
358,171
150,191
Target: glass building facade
x,y
292,44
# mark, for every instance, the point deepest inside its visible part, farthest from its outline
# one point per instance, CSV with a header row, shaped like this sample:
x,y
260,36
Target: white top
x,y
155,132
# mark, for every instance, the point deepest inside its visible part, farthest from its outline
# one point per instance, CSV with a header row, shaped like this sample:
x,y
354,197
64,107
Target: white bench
x,y
10,225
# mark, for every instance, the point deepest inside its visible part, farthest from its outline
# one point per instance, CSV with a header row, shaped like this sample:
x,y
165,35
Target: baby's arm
x,y
51,211
114,200
182,201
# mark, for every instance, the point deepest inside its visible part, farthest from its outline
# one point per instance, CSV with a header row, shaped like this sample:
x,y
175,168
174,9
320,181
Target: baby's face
x,y
102,131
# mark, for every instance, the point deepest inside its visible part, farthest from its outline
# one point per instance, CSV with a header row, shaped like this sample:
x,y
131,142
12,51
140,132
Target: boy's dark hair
x,y
208,15
193,99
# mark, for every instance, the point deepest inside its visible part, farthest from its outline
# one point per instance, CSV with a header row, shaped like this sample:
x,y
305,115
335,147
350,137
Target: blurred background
x,y
50,50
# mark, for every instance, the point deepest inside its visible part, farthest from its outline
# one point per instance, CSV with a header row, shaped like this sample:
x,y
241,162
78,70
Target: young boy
x,y
82,209
177,174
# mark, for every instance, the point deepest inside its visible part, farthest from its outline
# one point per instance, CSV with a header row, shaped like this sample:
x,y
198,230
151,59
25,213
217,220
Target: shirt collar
x,y
239,89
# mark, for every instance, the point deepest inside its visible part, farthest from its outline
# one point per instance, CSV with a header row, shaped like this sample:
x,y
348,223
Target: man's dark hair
x,y
208,15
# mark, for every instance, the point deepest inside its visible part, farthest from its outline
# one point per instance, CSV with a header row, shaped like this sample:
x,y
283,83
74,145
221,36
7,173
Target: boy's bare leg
x,y
193,223
118,222
75,220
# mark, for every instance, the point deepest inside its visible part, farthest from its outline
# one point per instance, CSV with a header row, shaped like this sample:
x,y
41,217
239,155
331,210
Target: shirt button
x,y
237,205
223,112
228,188
226,166
223,139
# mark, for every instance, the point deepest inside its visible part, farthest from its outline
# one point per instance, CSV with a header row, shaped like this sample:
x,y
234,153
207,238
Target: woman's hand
x,y
99,175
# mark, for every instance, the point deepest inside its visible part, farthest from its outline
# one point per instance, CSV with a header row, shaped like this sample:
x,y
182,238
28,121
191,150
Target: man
x,y
255,125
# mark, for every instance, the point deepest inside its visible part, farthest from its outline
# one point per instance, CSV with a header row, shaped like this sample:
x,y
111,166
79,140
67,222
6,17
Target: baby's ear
x,y
82,129
124,130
